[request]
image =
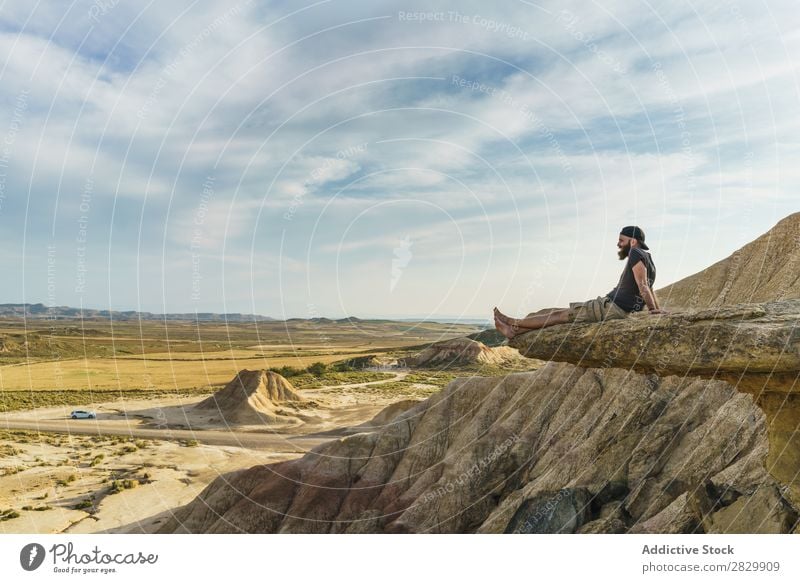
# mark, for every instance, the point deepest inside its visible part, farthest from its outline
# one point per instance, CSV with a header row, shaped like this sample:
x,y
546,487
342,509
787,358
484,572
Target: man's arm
x,y
648,295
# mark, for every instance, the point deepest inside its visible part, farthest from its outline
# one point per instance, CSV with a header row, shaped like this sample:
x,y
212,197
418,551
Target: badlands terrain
x,y
181,403
685,422
678,423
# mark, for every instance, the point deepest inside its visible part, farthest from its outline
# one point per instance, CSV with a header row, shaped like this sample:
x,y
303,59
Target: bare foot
x,y
498,315
505,329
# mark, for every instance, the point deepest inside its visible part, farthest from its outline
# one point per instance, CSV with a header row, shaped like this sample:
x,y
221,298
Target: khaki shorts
x,y
597,310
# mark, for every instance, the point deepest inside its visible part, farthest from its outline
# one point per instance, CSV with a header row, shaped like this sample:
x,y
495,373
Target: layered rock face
x,y
754,347
766,269
560,449
747,339
252,397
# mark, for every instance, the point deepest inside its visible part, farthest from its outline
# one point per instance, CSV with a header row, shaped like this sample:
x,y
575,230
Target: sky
x,y
384,159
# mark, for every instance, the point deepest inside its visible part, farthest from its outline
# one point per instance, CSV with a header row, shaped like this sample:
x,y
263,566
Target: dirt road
x,y
279,443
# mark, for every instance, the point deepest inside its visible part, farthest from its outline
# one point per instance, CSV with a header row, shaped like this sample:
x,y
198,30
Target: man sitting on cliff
x,y
632,292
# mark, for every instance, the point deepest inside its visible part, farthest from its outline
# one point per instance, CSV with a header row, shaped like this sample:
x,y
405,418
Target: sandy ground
x,y
65,475
53,475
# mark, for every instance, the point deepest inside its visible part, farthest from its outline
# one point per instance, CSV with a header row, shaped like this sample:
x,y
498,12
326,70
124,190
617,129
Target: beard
x,y
623,253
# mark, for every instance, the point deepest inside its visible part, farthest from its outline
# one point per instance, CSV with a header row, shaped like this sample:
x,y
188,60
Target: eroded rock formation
x,y
750,339
461,351
252,397
765,269
560,449
754,347
679,423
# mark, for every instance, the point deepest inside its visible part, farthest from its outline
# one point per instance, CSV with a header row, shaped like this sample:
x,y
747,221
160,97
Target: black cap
x,y
635,233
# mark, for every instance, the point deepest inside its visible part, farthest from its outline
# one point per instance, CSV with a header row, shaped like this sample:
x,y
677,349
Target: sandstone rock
x,y
754,347
461,351
763,512
752,339
562,512
486,453
677,518
765,269
370,361
252,397
489,337
388,414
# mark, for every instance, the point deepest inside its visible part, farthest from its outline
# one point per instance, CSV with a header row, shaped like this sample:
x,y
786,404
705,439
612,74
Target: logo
x,y
402,255
31,556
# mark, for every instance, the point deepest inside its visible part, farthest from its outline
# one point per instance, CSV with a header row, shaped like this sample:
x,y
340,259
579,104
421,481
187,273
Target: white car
x,y
80,414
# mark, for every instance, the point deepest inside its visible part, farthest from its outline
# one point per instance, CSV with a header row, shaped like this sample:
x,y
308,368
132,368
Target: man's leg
x,y
551,318
515,326
508,319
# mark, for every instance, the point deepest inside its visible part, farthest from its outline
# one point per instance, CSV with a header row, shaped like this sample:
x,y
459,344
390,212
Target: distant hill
x,y
490,337
252,397
766,269
462,351
41,311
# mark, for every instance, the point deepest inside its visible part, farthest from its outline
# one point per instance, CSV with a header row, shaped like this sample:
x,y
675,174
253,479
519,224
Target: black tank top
x,y
626,294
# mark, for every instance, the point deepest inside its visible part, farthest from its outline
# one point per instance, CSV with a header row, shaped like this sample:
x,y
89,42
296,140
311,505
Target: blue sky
x,y
389,159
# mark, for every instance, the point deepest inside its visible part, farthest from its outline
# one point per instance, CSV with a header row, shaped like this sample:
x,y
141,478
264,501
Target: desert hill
x,y
41,311
252,397
462,351
489,337
765,269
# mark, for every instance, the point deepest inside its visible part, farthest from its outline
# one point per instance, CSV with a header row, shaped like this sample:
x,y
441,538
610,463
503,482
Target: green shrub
x,y
8,514
85,503
288,371
118,486
317,369
7,450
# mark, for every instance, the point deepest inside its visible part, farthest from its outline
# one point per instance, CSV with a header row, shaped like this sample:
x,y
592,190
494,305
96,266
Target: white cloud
x,y
582,132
